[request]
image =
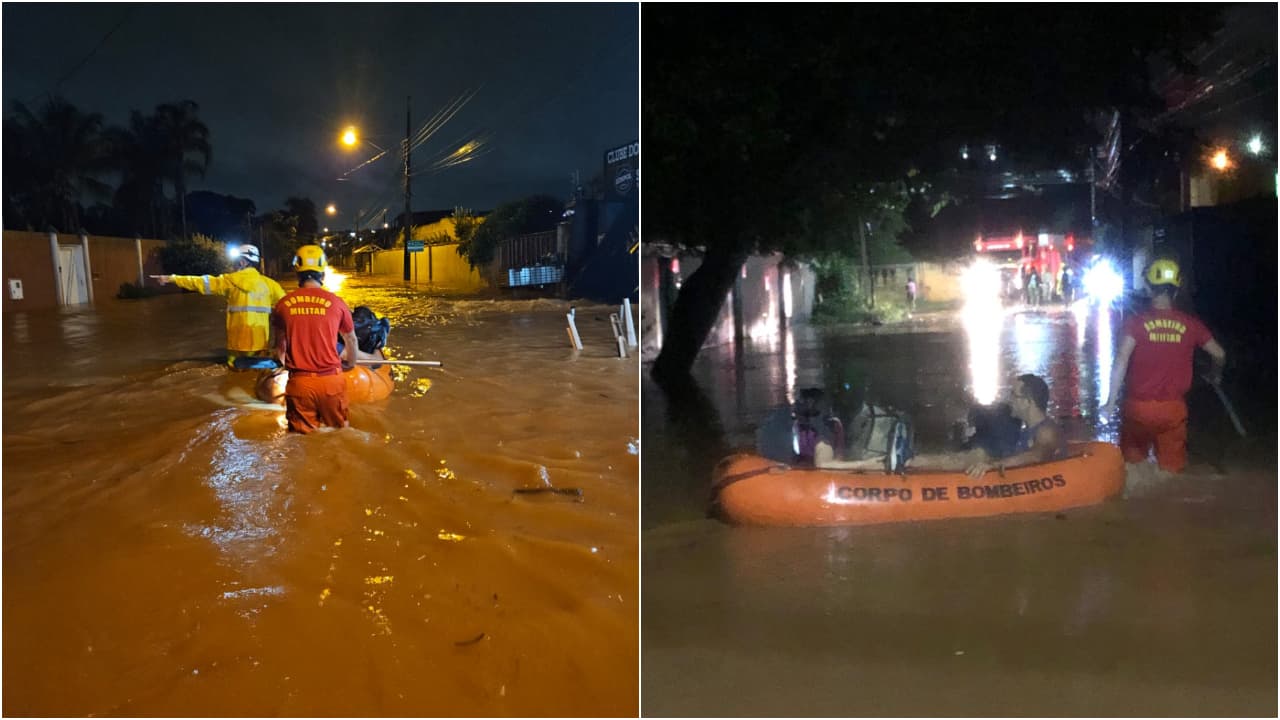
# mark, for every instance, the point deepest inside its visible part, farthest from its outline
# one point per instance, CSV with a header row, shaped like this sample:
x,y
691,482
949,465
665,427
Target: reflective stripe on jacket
x,y
250,298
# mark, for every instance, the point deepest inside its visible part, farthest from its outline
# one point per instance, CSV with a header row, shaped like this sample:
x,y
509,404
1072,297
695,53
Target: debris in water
x,y
959,652
337,543
410,474
324,595
546,477
572,492
420,387
367,512
450,537
472,641
404,498
445,474
378,579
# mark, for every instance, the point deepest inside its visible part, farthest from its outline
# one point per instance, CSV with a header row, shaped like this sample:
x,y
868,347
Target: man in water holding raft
x,y
1040,440
307,321
250,297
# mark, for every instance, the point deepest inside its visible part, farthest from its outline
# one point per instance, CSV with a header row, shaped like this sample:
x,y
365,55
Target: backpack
x,y
878,432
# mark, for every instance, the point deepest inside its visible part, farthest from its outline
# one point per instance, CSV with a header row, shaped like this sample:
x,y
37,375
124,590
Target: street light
x,y
332,209
1220,160
1255,145
350,138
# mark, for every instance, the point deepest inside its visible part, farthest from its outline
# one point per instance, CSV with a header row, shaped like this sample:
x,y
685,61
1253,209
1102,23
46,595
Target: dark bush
x,y
130,291
187,258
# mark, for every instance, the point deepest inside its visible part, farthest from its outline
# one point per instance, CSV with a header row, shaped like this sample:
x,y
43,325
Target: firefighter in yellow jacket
x,y
250,298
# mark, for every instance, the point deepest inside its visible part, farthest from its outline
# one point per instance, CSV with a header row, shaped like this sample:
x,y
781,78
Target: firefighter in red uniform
x,y
308,322
1154,365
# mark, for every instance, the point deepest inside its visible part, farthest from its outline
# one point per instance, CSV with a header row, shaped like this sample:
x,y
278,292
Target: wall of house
x,y
438,265
939,282
28,256
762,294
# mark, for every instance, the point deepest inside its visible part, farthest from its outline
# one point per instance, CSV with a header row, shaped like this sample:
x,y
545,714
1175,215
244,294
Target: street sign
x,y
415,246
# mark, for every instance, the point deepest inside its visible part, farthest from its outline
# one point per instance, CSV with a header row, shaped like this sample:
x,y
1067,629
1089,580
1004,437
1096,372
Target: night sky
x,y
557,86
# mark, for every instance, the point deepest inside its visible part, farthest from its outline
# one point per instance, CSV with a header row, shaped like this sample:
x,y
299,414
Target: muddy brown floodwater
x,y
1162,604
167,552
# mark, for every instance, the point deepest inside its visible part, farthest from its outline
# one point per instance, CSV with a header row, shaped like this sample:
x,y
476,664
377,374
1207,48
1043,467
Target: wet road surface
x,y
1163,604
167,552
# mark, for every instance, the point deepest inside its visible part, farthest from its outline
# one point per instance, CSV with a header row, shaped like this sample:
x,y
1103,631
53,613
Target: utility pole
x,y
408,216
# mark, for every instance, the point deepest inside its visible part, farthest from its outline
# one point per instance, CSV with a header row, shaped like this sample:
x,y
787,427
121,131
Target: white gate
x,y
71,275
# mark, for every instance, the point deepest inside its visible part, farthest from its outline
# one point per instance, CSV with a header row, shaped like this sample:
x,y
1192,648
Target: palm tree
x,y
52,160
137,154
186,147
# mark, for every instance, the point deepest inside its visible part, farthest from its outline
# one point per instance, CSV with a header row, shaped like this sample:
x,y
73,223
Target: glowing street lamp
x,y
331,210
350,139
1255,145
1220,160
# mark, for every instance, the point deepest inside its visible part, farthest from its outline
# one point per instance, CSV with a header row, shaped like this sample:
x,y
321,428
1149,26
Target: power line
x,y
92,52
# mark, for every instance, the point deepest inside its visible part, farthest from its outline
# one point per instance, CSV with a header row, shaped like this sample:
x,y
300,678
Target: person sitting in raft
x,y
994,429
371,334
1041,440
793,435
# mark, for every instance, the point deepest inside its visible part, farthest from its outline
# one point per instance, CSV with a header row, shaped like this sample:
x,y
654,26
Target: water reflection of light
x,y
1030,343
1104,353
1080,309
238,477
789,364
983,323
786,294
766,326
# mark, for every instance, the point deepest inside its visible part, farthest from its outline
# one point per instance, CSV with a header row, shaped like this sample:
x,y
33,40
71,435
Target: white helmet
x,y
250,253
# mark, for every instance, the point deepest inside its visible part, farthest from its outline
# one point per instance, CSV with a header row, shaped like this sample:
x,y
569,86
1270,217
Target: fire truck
x,y
1018,254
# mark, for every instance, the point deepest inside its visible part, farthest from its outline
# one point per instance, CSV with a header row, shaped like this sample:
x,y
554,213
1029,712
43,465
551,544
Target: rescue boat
x,y
752,490
364,384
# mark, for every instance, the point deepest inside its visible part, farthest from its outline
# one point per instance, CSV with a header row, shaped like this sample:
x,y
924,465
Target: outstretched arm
x,y
1046,442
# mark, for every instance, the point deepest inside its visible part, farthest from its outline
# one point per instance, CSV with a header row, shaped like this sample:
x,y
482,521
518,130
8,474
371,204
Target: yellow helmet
x,y
1164,272
310,258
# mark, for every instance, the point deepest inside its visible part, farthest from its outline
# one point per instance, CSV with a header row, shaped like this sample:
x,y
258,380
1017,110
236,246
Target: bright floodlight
x,y
233,252
349,136
1221,160
1102,283
1255,145
981,284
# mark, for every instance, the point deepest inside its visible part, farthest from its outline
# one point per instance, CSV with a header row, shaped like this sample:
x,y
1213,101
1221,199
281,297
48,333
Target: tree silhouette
x,y
186,150
53,160
137,153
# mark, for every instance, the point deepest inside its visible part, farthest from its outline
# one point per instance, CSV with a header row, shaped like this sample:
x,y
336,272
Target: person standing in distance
x,y
250,297
308,322
1154,365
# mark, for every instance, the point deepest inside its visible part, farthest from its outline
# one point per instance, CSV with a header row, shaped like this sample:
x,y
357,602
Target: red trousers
x,y
1162,423
315,400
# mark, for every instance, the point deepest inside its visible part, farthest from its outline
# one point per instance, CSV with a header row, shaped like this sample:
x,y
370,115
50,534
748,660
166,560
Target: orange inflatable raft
x,y
364,384
752,490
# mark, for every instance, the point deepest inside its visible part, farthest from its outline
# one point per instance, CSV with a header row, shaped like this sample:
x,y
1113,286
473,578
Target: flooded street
x,y
1163,604
167,552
